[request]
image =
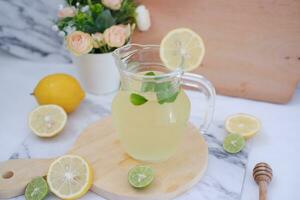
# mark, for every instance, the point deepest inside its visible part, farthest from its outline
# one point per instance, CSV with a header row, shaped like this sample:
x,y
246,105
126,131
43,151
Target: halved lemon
x,y
70,177
182,48
243,124
47,120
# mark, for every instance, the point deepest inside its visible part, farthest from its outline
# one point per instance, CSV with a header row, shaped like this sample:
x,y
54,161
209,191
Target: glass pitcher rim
x,y
116,55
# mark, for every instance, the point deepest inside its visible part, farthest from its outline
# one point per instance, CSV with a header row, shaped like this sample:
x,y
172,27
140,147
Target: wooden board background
x,y
252,47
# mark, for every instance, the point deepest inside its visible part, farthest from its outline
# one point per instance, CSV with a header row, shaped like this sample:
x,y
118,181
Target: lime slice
x,y
233,143
37,189
140,176
47,120
243,124
182,48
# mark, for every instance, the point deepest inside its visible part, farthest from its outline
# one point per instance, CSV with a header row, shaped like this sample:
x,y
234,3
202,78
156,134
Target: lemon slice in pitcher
x,y
182,48
70,177
47,120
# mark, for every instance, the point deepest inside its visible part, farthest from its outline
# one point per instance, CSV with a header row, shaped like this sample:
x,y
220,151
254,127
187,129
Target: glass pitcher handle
x,y
202,84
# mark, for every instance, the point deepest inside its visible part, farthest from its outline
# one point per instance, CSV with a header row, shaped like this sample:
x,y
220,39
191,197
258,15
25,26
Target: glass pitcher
x,y
151,110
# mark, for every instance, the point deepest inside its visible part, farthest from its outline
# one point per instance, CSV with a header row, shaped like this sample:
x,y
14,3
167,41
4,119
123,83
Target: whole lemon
x,y
60,89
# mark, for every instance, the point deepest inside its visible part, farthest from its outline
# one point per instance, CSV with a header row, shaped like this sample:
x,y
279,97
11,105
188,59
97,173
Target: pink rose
x,y
112,4
66,12
127,29
98,40
115,36
79,43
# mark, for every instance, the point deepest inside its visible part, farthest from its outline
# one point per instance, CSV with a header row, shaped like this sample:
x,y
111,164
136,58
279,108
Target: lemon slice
x,y
243,124
70,177
47,120
182,48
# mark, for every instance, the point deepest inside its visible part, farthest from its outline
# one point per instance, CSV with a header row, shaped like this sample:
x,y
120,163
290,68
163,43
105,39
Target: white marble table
x,y
278,143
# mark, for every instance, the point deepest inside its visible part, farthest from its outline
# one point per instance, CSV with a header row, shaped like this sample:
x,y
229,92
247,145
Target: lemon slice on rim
x,y
182,48
243,124
47,120
70,177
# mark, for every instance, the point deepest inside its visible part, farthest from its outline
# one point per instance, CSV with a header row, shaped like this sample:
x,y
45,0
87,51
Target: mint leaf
x,y
165,93
167,99
148,86
150,74
137,99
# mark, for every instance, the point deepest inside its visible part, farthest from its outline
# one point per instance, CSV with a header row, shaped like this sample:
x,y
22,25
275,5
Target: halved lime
x,y
140,176
37,189
233,143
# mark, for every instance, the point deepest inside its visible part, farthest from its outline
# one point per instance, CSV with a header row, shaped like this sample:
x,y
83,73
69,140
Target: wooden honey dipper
x,y
262,174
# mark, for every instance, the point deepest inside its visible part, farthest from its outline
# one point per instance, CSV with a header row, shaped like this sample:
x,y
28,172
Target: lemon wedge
x,y
182,48
242,124
47,120
70,177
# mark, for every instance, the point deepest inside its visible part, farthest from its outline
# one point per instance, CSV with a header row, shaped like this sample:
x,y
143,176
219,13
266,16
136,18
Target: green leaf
x,y
137,99
150,74
104,21
148,86
96,9
165,92
167,99
126,14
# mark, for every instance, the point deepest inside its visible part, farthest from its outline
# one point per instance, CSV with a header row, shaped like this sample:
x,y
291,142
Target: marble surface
x,y
25,30
222,180
277,143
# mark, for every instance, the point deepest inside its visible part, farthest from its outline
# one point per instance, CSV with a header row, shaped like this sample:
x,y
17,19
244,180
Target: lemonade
x,y
151,131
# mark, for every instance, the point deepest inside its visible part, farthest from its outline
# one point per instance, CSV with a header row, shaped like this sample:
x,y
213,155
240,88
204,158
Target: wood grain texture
x,y
252,47
16,174
99,145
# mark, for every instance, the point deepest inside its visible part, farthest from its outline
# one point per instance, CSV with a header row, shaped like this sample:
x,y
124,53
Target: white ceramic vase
x,y
98,73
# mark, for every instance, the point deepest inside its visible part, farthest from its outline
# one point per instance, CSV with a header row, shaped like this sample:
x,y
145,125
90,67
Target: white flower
x,y
61,34
77,4
85,8
112,4
69,29
60,7
142,18
54,28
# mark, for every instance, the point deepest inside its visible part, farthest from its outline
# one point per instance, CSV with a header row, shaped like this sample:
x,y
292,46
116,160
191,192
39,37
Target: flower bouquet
x,y
92,30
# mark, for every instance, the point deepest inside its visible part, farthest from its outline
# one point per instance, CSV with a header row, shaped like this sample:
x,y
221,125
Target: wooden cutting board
x,y
252,47
99,145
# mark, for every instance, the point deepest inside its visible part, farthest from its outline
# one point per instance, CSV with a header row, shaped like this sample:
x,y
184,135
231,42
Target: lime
x,y
243,124
182,48
37,189
233,143
140,176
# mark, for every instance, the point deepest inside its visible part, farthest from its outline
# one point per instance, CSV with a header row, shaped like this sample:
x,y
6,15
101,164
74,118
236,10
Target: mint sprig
x,y
148,86
137,99
165,93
